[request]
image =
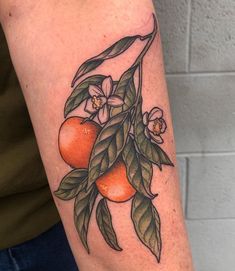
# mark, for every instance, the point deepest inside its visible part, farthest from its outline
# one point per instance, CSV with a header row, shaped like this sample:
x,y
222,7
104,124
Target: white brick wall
x,y
199,50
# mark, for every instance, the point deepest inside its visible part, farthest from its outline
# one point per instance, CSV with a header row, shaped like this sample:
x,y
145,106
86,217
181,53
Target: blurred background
x,y
199,49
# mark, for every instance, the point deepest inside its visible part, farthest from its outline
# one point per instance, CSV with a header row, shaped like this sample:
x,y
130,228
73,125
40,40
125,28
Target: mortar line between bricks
x,y
189,36
205,154
201,73
211,219
186,188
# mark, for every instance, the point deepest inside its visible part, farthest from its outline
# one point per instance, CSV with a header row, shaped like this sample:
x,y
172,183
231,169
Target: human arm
x,y
48,42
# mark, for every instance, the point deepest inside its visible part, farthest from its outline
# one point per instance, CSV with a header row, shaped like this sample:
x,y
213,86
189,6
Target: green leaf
x,y
126,90
147,223
109,144
150,150
139,169
164,159
72,184
116,49
80,93
104,221
83,207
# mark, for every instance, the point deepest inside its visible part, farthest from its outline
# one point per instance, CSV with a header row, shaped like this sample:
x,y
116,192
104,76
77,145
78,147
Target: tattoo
x,y
112,151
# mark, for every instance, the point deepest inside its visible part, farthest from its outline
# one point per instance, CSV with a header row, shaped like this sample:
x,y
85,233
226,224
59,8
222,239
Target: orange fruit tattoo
x,y
114,184
76,140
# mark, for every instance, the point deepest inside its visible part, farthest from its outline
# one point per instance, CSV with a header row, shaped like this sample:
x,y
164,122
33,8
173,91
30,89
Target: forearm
x,y
48,42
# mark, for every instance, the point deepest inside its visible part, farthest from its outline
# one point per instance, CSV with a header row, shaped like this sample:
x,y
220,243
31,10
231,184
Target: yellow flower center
x,y
157,126
96,102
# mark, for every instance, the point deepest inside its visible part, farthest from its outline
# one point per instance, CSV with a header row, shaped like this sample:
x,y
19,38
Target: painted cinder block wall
x,y
199,51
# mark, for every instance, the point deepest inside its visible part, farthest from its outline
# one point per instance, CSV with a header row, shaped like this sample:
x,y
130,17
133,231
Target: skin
x,y
48,40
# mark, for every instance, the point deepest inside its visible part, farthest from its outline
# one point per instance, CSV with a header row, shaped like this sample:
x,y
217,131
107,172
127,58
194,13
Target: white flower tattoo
x,y
101,99
155,124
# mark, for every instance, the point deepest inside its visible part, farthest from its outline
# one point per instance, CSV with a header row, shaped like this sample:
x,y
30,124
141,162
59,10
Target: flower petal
x,y
95,91
155,113
151,125
107,86
157,138
89,107
103,114
164,126
115,101
103,99
145,118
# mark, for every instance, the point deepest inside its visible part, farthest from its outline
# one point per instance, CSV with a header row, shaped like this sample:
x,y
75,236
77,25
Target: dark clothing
x,y
48,252
26,205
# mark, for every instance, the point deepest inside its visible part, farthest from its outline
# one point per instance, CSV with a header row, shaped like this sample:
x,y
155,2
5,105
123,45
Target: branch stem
x,y
139,62
151,37
139,91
